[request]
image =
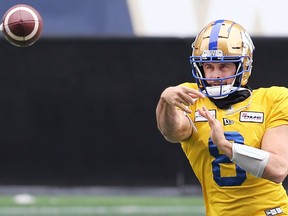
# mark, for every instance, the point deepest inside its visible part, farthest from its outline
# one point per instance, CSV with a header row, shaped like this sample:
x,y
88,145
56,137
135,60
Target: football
x,y
22,25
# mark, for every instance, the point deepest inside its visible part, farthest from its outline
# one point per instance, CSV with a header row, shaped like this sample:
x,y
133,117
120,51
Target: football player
x,y
235,138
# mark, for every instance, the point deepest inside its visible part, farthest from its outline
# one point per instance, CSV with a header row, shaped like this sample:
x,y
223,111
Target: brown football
x,y
22,25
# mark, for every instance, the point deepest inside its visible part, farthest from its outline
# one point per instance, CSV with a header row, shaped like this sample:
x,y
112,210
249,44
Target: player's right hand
x,y
181,97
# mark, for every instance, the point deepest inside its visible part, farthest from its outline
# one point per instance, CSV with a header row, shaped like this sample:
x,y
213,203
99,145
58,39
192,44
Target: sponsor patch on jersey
x,y
274,211
252,117
199,118
227,121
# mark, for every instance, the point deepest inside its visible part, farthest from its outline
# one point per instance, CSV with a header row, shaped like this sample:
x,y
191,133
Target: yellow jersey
x,y
227,189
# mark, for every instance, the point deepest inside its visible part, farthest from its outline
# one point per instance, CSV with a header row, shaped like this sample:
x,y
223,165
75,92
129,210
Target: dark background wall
x,y
82,111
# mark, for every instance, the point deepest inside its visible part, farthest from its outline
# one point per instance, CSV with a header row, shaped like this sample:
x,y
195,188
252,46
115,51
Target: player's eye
x,y
207,66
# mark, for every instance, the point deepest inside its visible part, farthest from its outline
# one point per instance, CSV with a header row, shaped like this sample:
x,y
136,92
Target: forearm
x,y
226,148
276,169
170,122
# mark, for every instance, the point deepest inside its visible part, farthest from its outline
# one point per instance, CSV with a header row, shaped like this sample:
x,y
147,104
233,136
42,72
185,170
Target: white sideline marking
x,y
102,210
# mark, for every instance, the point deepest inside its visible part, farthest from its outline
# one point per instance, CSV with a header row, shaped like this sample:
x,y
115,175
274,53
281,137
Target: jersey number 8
x,y
240,176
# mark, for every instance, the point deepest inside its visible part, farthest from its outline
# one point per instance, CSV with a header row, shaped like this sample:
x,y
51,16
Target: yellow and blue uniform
x,y
227,189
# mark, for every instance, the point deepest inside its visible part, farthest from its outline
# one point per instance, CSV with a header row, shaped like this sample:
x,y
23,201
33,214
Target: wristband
x,y
251,159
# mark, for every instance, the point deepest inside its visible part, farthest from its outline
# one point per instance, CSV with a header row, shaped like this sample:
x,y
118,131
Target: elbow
x,y
281,173
174,138
278,178
171,136
171,139
278,175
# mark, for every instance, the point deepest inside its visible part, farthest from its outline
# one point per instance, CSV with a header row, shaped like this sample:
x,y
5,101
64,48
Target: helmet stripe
x,y
213,43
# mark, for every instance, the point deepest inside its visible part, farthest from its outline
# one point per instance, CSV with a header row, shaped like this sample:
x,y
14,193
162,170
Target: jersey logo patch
x,y
227,121
199,118
274,211
252,117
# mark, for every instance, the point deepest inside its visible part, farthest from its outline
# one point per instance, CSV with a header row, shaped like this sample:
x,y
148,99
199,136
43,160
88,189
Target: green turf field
x,y
104,205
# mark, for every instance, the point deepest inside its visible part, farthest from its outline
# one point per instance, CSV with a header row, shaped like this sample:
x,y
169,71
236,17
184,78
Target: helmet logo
x,y
213,53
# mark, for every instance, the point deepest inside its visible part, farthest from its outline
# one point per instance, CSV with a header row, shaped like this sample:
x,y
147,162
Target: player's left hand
x,y
217,132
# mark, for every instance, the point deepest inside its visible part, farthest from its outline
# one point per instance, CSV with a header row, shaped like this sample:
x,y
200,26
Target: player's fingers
x,y
183,107
184,98
208,114
187,100
205,112
202,112
195,93
204,108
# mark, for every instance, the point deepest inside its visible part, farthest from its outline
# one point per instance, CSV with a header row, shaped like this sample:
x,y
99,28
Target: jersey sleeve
x,y
277,100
